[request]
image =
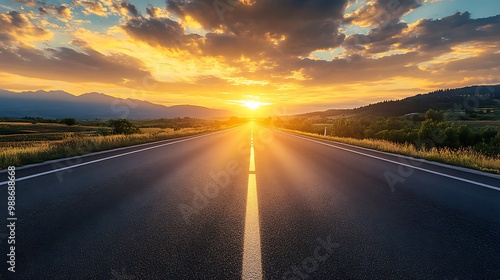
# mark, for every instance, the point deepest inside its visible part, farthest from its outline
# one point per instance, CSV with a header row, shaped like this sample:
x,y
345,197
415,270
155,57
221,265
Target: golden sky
x,y
302,55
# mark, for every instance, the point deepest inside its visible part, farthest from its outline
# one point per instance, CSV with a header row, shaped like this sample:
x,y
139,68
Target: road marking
x,y
252,256
400,163
106,158
252,159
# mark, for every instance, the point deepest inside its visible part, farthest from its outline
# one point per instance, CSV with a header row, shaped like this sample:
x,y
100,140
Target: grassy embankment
x,y
465,157
26,143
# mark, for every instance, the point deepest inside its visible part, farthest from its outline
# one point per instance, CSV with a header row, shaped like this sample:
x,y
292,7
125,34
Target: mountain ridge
x,y
93,105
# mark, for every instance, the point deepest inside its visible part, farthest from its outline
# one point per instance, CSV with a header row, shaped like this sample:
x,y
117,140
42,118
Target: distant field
x,y
24,143
480,114
479,124
26,131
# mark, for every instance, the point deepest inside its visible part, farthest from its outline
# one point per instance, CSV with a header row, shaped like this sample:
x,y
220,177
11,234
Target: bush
x,y
123,126
69,121
434,115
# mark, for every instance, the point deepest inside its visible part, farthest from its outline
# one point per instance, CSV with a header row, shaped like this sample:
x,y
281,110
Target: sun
x,y
251,104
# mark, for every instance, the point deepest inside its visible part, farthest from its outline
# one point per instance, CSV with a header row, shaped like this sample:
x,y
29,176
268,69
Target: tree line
x,y
424,131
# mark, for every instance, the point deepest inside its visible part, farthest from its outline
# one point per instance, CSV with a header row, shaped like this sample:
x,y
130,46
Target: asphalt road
x,y
208,207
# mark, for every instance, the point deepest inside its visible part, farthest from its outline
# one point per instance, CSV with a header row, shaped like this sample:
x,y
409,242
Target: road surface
x,y
252,203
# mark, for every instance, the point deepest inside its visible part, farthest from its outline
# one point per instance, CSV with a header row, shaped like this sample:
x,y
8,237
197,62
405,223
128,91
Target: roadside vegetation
x,y
433,136
26,141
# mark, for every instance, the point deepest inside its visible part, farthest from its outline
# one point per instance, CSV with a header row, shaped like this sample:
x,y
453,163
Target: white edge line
x,y
27,166
440,164
400,163
107,158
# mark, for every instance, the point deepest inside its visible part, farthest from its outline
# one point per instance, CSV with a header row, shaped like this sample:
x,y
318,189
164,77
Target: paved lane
x,y
210,207
328,213
125,218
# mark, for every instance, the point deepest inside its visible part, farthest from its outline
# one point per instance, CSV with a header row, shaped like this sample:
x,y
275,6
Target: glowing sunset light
x,y
253,105
307,55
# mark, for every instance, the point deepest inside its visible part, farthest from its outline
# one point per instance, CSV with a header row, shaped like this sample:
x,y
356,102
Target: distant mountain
x,y
460,98
93,105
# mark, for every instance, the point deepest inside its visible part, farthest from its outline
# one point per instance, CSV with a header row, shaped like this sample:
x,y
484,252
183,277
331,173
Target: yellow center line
x,y
252,256
252,159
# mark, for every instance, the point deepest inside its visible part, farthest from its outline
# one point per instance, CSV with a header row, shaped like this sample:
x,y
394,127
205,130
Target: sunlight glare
x,y
252,105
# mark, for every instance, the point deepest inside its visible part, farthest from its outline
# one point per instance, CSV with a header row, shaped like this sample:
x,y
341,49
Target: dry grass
x,y
22,153
462,157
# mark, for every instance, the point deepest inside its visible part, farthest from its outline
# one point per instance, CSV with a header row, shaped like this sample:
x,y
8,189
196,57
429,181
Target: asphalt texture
x,y
176,210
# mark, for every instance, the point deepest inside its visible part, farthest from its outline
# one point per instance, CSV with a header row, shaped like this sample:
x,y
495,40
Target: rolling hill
x,y
466,98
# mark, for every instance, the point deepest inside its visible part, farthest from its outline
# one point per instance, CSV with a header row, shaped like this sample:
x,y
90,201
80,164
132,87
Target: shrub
x,y
69,121
123,126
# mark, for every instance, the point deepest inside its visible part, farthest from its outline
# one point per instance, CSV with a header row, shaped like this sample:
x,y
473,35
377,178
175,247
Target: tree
x,y
466,136
452,137
123,126
69,121
433,133
434,115
487,134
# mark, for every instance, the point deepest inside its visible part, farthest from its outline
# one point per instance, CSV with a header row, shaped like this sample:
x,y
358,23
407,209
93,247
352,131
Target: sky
x,y
289,55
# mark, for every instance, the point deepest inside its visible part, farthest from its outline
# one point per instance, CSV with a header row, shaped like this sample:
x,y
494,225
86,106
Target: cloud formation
x,y
62,11
93,7
382,13
161,32
86,65
17,27
275,49
446,32
315,24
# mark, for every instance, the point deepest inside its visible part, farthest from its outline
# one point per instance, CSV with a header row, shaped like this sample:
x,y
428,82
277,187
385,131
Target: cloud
x,y
18,28
156,12
377,40
428,34
224,49
63,12
67,64
125,8
262,47
315,23
29,3
357,68
162,32
93,7
486,61
381,12
384,16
